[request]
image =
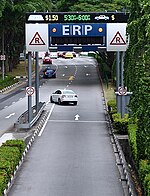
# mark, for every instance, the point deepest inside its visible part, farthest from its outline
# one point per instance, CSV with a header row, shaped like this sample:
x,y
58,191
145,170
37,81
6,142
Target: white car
x,y
53,55
102,17
64,96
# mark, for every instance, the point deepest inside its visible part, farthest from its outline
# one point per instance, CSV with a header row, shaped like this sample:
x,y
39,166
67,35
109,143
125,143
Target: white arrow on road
x,y
77,117
10,115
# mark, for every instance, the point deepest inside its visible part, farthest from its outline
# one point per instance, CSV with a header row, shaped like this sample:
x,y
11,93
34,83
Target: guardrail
x,y
22,122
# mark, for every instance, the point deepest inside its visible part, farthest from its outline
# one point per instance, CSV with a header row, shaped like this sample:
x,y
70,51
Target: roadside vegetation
x,y
11,153
137,63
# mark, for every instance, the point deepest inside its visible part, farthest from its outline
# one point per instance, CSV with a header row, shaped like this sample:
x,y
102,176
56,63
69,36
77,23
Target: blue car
x,y
49,73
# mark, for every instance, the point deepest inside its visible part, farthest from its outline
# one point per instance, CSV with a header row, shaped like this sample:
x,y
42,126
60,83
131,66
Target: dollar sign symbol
x,y
113,17
46,17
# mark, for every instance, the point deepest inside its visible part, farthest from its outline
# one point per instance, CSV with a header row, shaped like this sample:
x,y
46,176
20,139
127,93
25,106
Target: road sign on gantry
x,y
37,37
116,37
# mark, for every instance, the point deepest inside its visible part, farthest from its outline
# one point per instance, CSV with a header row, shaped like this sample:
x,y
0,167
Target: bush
x,y
144,173
3,181
20,144
10,155
132,139
120,124
112,108
147,184
144,169
6,165
9,80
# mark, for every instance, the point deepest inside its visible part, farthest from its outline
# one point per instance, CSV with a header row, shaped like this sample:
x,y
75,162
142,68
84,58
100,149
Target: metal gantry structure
x,y
43,29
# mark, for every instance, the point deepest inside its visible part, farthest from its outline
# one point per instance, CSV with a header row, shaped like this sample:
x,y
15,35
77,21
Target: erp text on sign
x,y
77,29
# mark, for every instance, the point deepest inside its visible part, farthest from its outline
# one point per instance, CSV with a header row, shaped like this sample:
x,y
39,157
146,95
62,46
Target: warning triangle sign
x,y
118,40
37,40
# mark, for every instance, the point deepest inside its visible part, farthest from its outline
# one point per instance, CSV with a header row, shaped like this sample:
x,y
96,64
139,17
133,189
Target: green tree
x,y
12,22
137,74
92,5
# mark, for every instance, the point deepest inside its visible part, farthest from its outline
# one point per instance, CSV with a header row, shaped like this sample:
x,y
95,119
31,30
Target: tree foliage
x,y
12,23
137,72
91,5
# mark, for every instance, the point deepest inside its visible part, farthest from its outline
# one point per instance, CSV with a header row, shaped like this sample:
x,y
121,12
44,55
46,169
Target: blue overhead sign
x,y
77,30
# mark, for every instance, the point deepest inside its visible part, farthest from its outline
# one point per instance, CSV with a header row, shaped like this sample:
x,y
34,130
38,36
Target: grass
x,y
109,92
20,70
10,77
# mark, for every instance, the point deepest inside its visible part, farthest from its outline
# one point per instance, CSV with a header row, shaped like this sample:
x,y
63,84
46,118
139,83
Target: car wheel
x,y
59,101
51,100
75,103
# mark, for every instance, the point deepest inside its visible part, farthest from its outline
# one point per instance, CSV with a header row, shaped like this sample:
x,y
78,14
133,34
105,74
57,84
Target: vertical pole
x,y
24,51
37,81
122,69
29,84
122,84
118,98
3,69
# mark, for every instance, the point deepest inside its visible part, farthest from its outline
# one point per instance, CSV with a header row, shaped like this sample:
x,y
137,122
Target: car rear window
x,y
50,71
68,92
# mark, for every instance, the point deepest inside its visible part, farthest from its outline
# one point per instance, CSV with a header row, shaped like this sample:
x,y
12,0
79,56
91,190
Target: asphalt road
x,y
71,157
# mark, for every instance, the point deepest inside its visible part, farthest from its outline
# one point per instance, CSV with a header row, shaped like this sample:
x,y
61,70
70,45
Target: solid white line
x,y
50,112
81,121
12,114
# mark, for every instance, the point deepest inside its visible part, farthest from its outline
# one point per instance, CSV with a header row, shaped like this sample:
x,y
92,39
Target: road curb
x,y
34,134
9,87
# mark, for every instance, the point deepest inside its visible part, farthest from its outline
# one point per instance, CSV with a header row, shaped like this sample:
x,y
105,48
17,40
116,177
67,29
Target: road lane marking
x,y
77,117
12,114
81,121
71,78
5,137
50,112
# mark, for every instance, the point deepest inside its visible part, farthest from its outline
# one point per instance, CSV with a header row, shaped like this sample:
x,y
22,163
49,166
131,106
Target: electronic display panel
x,y
77,40
77,17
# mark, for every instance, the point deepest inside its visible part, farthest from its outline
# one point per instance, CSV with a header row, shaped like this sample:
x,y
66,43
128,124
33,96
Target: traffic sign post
x,y
2,57
37,37
37,81
122,90
116,37
30,90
